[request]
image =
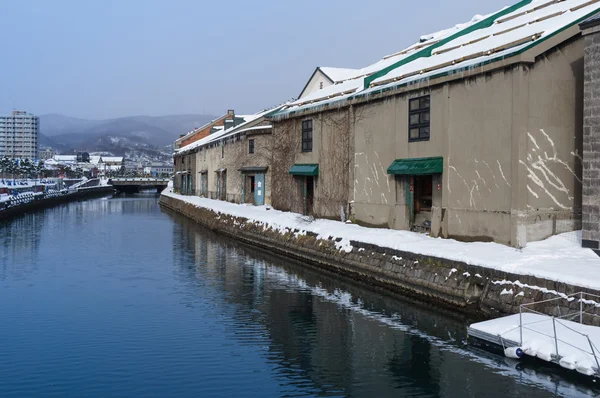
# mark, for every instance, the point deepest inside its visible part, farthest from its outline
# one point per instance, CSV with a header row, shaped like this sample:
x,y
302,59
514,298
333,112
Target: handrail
x,y
525,307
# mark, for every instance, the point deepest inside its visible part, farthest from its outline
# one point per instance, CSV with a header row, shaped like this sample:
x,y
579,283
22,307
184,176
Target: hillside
x,y
138,138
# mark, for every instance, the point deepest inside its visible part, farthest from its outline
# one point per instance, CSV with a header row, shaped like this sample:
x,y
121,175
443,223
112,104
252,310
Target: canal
x,y
114,297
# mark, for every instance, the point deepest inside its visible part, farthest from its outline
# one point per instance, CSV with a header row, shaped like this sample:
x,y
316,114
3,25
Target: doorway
x,y
248,188
309,187
422,191
222,184
259,189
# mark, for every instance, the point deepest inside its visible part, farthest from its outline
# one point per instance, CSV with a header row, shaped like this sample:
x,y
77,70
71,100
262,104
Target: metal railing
x,y
584,300
28,197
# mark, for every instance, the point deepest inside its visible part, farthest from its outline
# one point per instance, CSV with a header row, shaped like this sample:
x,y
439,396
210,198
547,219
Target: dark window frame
x,y
423,113
307,135
251,145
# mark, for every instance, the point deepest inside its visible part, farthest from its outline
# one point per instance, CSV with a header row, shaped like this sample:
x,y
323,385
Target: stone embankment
x,y
456,285
33,202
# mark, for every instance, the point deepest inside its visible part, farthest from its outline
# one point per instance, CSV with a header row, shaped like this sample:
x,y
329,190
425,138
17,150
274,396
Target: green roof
x,y
420,166
305,170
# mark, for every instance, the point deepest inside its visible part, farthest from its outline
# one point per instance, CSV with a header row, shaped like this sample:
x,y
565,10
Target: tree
x,y
26,168
40,169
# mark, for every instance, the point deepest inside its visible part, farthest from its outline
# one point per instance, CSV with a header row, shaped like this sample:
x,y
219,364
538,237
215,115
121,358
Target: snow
x,y
225,133
541,289
546,259
482,40
339,74
459,54
538,338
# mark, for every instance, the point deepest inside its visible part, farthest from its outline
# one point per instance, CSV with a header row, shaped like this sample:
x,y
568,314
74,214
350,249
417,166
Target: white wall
x,y
314,84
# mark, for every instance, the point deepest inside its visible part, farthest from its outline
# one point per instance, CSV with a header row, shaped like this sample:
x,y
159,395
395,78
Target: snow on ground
x,y
538,338
22,183
546,259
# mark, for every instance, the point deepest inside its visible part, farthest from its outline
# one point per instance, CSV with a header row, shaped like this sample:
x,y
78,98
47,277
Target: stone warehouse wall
x,y
453,284
591,142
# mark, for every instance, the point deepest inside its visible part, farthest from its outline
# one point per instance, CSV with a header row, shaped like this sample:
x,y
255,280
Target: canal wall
x,y
43,203
457,285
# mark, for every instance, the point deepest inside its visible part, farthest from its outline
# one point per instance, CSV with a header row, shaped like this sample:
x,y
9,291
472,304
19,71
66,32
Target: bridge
x,y
132,185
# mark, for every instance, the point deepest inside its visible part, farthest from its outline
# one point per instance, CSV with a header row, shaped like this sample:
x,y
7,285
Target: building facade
x,y
19,135
184,158
473,134
591,135
46,154
158,169
232,164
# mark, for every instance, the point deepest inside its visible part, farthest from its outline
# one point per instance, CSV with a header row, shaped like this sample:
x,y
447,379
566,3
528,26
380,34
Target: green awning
x,y
305,170
417,167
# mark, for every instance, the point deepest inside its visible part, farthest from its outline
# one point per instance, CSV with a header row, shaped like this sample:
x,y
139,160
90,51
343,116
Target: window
x,y
307,136
222,150
251,146
321,85
418,119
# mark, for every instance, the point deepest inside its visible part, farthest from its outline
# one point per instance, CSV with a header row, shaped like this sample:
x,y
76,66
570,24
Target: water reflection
x,y
115,298
330,336
15,244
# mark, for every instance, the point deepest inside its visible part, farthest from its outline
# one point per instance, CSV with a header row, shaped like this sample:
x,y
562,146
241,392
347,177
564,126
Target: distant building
x,y
65,159
158,169
46,154
19,135
113,164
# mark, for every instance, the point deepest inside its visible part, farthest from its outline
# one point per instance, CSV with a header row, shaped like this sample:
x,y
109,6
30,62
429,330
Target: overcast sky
x,y
112,58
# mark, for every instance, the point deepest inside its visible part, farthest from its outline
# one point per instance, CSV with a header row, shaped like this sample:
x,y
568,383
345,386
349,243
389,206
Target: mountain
x,y
138,138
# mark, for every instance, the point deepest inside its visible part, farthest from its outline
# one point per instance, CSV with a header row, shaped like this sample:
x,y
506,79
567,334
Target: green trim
x,y
426,52
392,86
417,167
305,170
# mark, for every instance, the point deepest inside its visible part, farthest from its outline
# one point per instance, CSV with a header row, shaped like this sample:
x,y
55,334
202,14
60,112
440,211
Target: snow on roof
x,y
484,39
354,78
508,34
339,74
226,133
65,158
112,159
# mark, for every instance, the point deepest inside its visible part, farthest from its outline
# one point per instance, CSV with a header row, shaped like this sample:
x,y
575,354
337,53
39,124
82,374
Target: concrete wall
x,y
554,147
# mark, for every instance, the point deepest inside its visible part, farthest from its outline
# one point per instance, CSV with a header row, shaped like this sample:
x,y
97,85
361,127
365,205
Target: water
x,y
113,297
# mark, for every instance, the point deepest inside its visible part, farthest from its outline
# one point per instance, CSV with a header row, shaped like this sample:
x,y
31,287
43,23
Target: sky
x,y
99,59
